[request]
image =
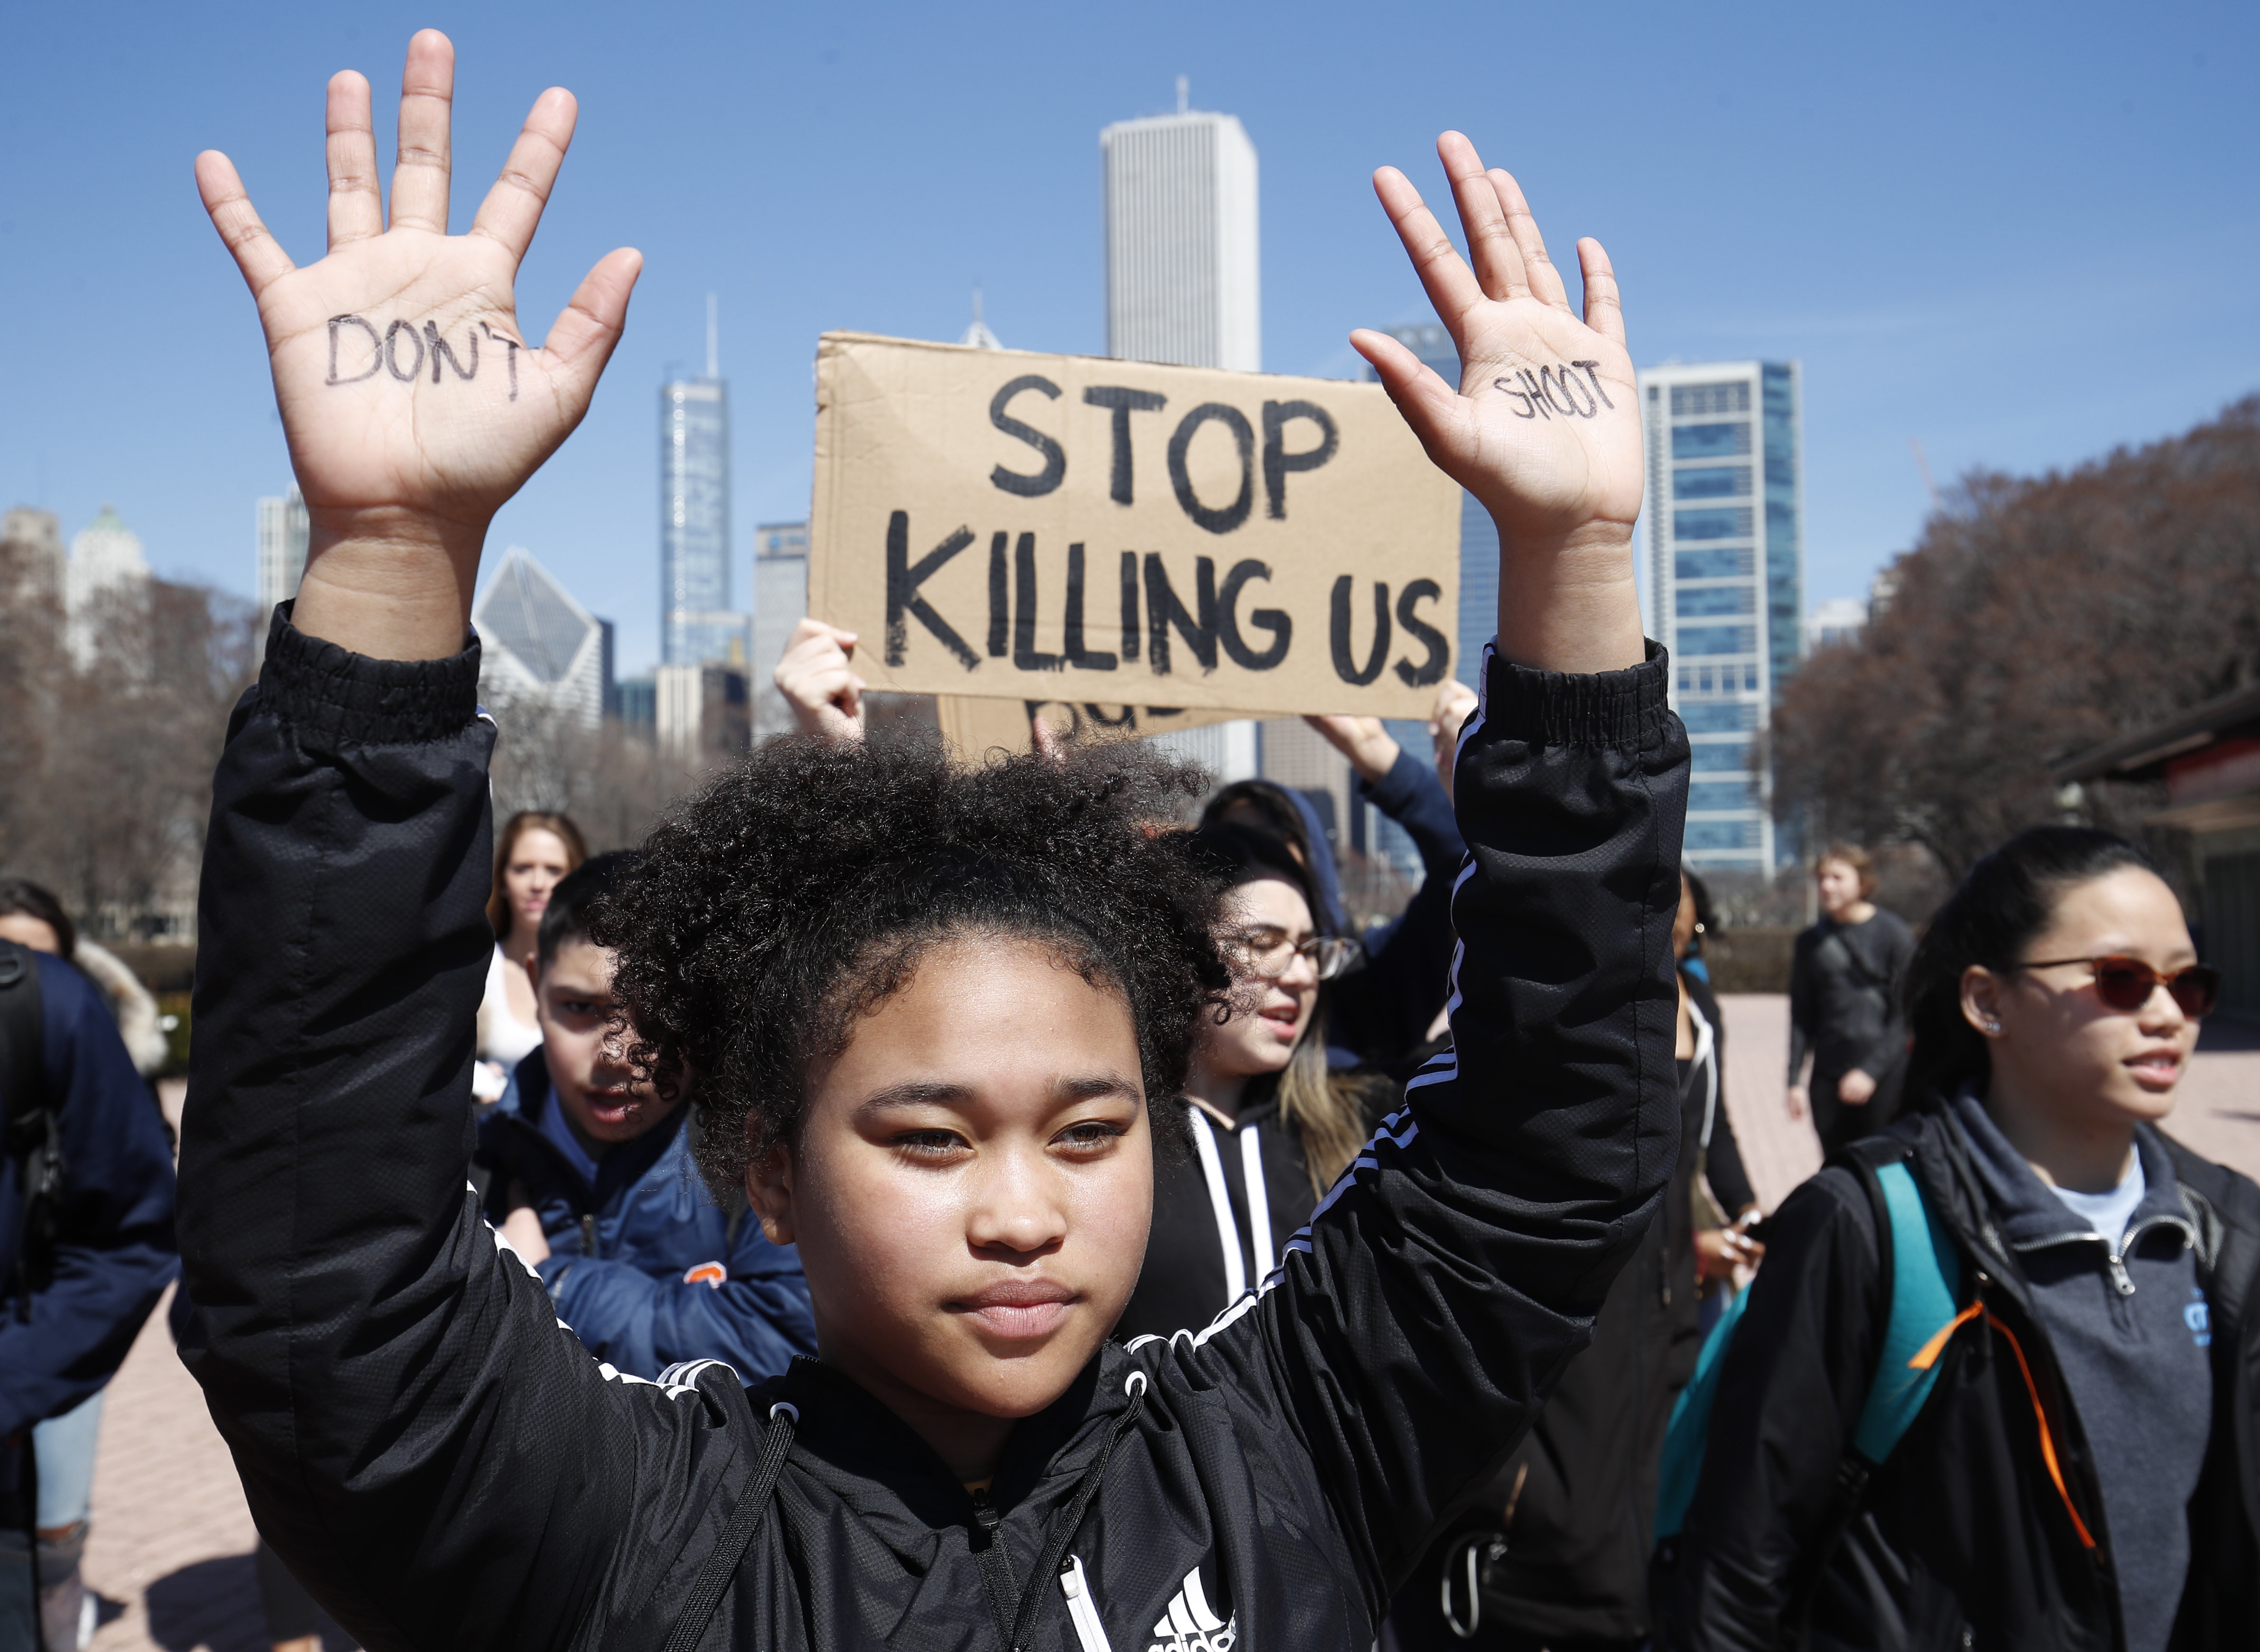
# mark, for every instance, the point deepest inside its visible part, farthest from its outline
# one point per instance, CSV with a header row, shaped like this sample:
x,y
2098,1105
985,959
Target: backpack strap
x,y
1926,1289
23,1082
33,1138
1690,1427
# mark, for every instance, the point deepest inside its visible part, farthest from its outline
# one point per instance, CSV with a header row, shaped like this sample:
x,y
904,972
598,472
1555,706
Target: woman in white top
x,y
532,851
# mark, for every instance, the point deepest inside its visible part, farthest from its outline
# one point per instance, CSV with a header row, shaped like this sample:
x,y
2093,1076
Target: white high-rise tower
x,y
1181,270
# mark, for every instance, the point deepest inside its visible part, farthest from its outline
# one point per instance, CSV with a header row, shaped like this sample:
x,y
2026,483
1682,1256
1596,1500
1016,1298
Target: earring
x,y
1993,1026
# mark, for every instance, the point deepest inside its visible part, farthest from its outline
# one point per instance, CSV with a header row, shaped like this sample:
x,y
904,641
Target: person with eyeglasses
x,y
1270,1123
2072,1465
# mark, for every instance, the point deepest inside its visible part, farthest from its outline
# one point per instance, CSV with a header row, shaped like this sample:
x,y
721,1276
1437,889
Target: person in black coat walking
x,y
1844,1010
2081,1473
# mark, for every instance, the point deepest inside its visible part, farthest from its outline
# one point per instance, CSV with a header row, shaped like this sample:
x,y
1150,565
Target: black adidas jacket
x,y
446,1466
1963,1538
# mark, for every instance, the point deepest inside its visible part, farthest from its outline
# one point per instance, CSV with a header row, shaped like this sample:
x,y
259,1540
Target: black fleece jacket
x,y
1965,1537
446,1466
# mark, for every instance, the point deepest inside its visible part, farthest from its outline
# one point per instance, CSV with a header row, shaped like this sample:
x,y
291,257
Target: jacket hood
x,y
2026,1212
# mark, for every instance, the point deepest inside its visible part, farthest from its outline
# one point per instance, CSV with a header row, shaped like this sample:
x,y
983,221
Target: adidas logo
x,y
1190,1625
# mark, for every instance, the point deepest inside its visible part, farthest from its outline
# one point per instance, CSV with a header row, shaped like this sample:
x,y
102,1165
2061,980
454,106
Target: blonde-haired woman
x,y
534,852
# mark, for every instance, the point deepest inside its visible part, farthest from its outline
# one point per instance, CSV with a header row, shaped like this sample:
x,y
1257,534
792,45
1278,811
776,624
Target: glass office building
x,y
780,600
698,623
1726,510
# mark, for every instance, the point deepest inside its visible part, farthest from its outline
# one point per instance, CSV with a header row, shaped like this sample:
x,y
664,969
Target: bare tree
x,y
110,758
2036,618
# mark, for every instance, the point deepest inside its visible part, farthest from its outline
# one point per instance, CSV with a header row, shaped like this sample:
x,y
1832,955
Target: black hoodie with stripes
x,y
446,1466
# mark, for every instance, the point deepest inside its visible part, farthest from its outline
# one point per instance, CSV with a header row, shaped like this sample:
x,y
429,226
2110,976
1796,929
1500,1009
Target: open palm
x,y
1544,427
407,390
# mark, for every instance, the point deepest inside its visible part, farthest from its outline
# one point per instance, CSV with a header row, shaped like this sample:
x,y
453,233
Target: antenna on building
x,y
978,335
1184,92
1923,462
714,337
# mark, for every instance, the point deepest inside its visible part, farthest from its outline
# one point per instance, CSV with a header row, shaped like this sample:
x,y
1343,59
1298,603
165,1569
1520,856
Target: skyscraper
x,y
780,600
1183,286
1726,509
697,621
1182,241
538,645
283,531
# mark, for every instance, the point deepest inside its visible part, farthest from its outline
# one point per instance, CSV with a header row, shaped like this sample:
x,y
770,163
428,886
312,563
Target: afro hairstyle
x,y
798,891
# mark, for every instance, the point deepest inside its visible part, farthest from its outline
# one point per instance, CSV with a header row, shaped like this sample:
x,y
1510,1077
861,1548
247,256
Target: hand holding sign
x,y
412,406
1544,429
819,682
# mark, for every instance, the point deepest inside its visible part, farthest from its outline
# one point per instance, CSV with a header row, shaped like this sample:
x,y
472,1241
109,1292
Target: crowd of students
x,y
930,1202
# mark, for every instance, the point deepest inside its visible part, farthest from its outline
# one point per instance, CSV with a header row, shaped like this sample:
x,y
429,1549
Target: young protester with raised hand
x,y
1392,988
922,1012
2078,1471
593,1183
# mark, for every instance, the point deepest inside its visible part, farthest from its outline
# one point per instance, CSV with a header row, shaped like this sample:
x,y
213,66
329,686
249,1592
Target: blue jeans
x,y
65,1446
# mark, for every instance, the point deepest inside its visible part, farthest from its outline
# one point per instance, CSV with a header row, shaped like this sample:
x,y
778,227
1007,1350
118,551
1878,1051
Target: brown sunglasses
x,y
2125,983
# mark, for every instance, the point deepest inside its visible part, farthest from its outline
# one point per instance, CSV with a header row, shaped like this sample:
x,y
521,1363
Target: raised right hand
x,y
412,404
1544,425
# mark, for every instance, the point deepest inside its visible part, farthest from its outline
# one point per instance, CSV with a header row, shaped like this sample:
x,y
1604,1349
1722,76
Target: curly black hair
x,y
798,891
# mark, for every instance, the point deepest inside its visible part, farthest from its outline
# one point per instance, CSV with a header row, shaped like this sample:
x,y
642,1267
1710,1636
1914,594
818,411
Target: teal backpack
x,y
1923,1274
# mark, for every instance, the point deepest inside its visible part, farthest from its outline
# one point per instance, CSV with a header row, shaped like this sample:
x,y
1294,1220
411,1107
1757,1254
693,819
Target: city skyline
x,y
1756,186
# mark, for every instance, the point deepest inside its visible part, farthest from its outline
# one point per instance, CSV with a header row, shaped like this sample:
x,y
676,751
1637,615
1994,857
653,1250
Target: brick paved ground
x,y
171,1549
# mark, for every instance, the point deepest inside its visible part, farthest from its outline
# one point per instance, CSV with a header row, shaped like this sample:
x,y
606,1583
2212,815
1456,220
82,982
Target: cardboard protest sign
x,y
975,727
1019,527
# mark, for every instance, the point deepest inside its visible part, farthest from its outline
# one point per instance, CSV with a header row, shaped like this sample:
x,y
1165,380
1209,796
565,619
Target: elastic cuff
x,y
321,689
1626,710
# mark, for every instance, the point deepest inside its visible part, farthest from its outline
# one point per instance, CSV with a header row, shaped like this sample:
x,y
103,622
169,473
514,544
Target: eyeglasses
x,y
1271,951
2125,983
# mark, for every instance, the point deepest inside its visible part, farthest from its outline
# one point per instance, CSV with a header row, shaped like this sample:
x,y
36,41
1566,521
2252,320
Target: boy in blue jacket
x,y
592,1183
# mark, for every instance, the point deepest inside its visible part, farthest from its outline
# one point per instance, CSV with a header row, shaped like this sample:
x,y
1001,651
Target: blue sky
x,y
2020,234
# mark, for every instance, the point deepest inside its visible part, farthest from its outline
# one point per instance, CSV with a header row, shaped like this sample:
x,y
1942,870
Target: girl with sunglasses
x,y
1267,1126
2080,1473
